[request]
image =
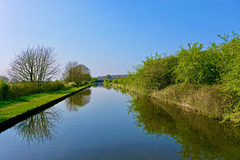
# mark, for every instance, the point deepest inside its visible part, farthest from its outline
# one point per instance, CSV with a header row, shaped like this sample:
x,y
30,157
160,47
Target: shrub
x,y
197,65
53,86
231,53
114,81
4,90
16,90
24,89
154,73
123,80
107,80
94,80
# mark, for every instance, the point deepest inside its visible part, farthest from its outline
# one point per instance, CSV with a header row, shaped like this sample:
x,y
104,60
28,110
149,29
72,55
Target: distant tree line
x,y
111,77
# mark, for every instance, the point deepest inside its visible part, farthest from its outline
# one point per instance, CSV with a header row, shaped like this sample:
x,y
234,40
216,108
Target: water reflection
x,y
39,128
200,137
77,100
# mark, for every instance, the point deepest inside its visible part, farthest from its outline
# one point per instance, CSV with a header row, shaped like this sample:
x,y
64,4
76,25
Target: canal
x,y
103,123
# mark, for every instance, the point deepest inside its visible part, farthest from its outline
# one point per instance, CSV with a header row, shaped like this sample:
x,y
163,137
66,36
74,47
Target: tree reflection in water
x,y
199,136
39,128
79,99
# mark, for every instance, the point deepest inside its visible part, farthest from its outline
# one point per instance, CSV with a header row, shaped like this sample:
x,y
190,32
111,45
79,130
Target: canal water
x,y
103,123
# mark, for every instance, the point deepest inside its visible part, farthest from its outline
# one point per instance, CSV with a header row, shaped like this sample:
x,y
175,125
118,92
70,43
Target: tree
x,y
155,73
35,64
115,81
77,73
197,65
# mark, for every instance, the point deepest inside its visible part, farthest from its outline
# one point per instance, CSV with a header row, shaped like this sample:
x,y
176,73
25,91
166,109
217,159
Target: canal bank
x,y
13,114
206,100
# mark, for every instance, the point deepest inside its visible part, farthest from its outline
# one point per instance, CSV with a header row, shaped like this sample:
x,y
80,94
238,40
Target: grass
x,y
18,106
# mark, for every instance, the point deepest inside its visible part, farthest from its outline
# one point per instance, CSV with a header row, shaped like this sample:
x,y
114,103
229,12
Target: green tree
x,y
114,81
197,65
154,73
77,73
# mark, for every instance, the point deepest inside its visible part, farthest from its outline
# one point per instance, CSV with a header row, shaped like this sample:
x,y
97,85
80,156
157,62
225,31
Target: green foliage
x,y
231,53
24,89
77,73
107,81
4,90
154,73
53,86
115,81
15,90
94,80
197,65
123,80
218,64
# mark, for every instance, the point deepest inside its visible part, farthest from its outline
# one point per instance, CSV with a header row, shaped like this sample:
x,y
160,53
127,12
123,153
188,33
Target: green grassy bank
x,y
16,107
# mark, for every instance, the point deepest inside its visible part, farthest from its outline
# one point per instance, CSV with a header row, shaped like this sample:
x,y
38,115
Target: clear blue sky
x,y
109,36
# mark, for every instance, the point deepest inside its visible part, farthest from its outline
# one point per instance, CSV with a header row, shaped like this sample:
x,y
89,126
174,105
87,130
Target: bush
x,y
155,73
16,90
107,81
218,64
231,75
197,65
53,86
94,80
114,81
123,80
4,90
24,89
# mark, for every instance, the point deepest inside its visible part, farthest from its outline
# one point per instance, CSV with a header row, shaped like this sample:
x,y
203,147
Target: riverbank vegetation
x,y
13,107
203,79
33,70
29,81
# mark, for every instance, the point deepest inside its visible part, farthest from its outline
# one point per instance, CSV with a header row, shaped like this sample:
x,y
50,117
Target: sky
x,y
112,36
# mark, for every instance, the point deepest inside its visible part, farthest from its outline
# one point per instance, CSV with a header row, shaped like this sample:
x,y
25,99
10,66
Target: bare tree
x,y
75,72
35,64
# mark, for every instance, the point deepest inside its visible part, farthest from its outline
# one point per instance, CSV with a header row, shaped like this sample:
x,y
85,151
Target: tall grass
x,y
15,90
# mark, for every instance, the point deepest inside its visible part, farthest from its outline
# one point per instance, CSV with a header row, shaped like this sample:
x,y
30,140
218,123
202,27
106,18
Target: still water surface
x,y
101,123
